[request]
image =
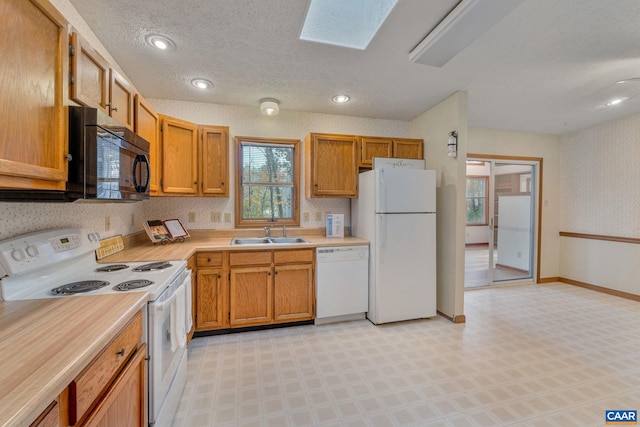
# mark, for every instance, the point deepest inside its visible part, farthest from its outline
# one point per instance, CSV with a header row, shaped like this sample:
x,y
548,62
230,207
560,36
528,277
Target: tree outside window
x,y
267,172
477,200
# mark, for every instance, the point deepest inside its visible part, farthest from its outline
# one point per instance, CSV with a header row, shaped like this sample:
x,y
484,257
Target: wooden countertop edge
x,y
22,404
148,252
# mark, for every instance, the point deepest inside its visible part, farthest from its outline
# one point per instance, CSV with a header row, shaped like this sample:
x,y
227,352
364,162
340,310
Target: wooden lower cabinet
x,y
112,389
251,296
293,293
125,404
212,310
238,289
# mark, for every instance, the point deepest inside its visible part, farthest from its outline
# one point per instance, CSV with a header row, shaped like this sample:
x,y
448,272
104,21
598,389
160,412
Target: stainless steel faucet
x,y
267,231
284,231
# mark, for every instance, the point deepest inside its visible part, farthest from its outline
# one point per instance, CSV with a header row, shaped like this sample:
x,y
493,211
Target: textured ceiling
x,y
549,66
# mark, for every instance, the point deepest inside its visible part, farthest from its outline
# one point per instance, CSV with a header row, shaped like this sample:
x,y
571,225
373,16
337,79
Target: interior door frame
x,y
539,160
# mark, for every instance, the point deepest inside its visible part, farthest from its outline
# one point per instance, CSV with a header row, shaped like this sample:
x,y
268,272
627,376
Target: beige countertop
x,y
45,344
203,240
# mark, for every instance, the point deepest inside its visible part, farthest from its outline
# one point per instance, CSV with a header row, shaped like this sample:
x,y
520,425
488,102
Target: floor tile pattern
x,y
530,355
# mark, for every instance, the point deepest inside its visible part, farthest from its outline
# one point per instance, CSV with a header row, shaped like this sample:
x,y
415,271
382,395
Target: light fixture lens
x,y
269,106
160,42
340,99
201,83
614,102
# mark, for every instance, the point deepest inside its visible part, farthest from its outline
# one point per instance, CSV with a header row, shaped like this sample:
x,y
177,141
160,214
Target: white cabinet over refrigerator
x,y
396,212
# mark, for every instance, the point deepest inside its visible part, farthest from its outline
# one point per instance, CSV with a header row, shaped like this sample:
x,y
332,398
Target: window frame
x,y
486,201
295,193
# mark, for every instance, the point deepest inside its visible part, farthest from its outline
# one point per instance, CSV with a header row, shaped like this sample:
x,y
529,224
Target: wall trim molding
x,y
548,280
602,289
460,318
619,239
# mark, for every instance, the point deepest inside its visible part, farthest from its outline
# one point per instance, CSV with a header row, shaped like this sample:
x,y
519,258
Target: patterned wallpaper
x,y
599,179
20,218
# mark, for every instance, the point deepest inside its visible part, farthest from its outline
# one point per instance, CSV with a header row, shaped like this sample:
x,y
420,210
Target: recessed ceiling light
x,y
201,83
161,42
340,99
614,102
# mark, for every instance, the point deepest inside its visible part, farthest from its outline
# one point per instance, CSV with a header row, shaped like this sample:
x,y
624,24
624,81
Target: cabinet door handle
x,y
114,108
121,352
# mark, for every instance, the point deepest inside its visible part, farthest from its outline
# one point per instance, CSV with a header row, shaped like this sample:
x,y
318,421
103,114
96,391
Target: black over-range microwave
x,y
107,162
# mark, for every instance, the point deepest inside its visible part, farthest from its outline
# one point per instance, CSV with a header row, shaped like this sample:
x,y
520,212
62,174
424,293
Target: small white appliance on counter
x,y
61,264
342,284
396,212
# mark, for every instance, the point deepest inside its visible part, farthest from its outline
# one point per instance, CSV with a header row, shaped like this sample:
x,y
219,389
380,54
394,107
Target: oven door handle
x,y
166,304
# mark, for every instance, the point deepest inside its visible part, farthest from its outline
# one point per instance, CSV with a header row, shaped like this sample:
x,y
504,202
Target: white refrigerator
x,y
396,212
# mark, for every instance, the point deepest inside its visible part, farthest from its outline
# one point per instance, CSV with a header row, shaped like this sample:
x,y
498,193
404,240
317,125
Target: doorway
x,y
501,238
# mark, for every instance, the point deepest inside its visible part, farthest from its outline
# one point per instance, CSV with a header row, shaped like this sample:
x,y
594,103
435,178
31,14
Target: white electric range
x,y
61,263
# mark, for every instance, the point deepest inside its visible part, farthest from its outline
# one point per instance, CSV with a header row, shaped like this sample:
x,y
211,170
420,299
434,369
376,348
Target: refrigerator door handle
x,y
382,240
383,193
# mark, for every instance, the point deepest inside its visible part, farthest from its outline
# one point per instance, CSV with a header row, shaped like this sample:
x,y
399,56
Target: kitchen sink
x,y
288,240
266,240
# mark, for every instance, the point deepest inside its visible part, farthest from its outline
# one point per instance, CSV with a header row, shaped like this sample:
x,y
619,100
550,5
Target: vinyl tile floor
x,y
529,355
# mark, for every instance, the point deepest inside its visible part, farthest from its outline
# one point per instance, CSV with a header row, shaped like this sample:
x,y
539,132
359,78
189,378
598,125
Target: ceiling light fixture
x,y
161,42
201,83
340,99
465,23
269,106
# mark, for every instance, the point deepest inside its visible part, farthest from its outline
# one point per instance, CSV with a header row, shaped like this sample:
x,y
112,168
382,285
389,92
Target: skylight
x,y
351,23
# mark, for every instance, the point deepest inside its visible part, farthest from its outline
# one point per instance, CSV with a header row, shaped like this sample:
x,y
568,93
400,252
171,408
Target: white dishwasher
x,y
342,283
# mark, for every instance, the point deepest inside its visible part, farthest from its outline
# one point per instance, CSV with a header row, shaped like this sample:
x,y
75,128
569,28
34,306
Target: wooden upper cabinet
x,y
331,165
95,84
147,125
399,148
406,148
34,69
371,147
214,161
89,83
179,156
121,95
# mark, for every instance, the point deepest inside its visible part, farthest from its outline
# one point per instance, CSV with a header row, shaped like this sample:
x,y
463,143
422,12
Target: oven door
x,y
164,355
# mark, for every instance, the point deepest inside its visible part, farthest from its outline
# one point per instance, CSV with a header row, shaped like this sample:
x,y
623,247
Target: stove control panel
x,y
29,252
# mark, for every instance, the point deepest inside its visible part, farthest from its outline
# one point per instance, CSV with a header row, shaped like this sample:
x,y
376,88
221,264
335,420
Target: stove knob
x,y
18,254
32,250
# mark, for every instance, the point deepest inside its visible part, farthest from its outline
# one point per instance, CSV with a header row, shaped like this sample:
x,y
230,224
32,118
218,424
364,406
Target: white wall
x,y
599,189
434,126
523,144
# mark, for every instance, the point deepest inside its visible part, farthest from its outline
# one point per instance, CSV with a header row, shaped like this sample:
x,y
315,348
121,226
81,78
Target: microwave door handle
x,y
137,163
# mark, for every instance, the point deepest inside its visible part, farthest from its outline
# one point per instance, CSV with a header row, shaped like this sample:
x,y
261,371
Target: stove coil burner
x,y
132,284
79,287
153,266
113,267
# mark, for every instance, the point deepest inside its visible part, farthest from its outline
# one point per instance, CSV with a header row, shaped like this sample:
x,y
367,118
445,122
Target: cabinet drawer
x,y
191,263
92,382
295,255
49,417
209,259
250,258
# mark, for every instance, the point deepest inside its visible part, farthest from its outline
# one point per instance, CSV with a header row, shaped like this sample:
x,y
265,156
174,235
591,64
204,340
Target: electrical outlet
x,y
227,217
305,216
318,216
216,217
107,223
192,217
133,220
